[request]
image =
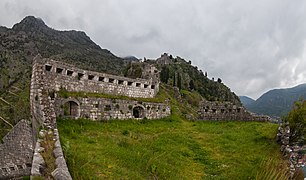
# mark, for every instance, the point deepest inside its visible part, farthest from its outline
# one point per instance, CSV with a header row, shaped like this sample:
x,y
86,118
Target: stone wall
x,y
16,152
43,116
220,111
105,109
60,75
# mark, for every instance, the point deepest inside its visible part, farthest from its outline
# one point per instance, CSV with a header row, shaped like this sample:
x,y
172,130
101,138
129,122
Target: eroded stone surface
x,y
220,111
16,152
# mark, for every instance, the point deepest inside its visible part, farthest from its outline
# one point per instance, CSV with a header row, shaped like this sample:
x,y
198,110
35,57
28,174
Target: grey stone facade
x,y
106,109
16,152
60,75
221,111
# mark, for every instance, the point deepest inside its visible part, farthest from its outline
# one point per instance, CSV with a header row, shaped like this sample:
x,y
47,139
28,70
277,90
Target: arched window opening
x,y
71,109
138,112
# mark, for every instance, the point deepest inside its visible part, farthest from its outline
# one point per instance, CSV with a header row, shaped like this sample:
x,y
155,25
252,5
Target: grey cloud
x,y
252,46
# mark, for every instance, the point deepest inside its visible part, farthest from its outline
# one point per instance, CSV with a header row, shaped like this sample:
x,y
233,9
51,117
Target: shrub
x,y
297,120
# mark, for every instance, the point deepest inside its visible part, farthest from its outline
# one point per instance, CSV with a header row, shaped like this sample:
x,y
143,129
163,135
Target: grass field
x,y
170,148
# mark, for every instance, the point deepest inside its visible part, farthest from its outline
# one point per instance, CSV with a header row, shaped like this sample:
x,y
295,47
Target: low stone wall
x,y
16,152
105,109
220,111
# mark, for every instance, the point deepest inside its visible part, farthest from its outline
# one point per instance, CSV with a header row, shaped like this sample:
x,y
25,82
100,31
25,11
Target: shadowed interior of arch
x,y
138,112
71,109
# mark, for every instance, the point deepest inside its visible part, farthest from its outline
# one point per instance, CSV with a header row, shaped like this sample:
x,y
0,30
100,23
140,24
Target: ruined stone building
x,y
124,98
62,90
55,76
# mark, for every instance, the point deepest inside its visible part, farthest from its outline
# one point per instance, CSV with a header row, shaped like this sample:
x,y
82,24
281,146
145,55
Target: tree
x,y
191,85
174,80
179,81
164,74
297,120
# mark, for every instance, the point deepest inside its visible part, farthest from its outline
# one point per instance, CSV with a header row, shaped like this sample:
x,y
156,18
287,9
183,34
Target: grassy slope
x,y
169,148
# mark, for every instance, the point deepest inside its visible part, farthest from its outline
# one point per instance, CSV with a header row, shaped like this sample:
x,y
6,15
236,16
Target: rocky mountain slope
x,y
277,102
246,100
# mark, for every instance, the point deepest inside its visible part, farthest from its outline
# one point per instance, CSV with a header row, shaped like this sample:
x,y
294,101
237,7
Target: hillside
x,y
178,72
31,36
277,102
246,100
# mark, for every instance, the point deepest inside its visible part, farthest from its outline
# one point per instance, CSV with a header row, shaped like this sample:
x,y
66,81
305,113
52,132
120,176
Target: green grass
x,y
170,148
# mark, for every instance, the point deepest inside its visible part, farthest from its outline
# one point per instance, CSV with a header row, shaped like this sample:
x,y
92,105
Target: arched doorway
x,y
138,112
71,109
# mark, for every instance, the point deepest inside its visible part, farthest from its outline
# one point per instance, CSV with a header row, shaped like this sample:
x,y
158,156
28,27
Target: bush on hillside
x,y
297,120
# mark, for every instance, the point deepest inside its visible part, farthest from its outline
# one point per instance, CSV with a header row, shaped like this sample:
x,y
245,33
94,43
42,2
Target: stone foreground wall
x,y
16,152
105,109
43,116
220,111
60,75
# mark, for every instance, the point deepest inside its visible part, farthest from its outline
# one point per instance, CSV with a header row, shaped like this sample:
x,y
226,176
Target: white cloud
x,y
252,46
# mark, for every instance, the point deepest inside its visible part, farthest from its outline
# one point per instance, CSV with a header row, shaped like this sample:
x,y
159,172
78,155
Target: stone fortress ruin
x,y
62,90
58,76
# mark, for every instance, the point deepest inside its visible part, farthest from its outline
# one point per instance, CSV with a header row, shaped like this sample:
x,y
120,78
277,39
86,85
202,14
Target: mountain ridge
x,y
277,102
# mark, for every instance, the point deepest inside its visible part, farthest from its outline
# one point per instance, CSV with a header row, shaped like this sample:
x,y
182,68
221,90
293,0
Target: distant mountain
x,y
277,102
246,100
130,58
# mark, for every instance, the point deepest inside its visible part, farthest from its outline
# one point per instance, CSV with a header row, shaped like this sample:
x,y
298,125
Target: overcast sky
x,y
253,46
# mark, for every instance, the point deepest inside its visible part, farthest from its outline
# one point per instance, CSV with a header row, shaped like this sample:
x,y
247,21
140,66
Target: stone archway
x,y
139,112
71,109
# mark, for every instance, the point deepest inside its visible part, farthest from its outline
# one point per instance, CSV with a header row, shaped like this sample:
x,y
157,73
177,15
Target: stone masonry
x,y
220,111
16,152
106,109
60,75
